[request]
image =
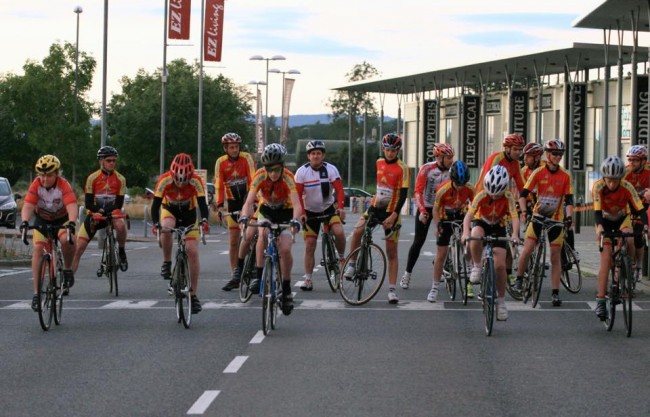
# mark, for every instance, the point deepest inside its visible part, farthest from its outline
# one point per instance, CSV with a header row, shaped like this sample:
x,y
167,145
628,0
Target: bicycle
x,y
514,253
249,272
271,283
370,269
181,278
536,270
50,279
571,280
621,279
455,263
110,263
330,260
488,294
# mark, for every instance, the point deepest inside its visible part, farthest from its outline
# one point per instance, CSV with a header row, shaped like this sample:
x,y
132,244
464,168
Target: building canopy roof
x,y
617,14
581,56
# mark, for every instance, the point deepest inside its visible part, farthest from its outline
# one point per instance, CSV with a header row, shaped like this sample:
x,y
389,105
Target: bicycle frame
x,y
536,269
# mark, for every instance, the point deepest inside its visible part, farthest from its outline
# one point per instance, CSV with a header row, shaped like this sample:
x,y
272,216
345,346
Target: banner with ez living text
x,y
471,115
430,127
213,30
178,26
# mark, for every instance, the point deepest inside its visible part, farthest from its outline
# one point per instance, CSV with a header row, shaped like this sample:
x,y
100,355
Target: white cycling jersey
x,y
318,185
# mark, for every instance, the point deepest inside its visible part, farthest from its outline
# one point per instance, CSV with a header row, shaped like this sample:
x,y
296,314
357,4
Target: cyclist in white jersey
x,y
315,182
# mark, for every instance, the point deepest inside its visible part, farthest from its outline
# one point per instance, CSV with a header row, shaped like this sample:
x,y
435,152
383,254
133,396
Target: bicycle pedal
x,y
100,272
322,262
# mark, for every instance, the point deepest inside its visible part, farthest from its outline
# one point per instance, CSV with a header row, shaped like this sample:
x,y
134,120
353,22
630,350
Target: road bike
x,y
271,283
513,253
571,277
488,294
455,264
330,260
249,272
620,278
181,279
370,268
536,270
110,262
50,279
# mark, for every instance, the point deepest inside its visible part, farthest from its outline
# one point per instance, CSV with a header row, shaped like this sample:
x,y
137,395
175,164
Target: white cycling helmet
x,y
496,181
613,167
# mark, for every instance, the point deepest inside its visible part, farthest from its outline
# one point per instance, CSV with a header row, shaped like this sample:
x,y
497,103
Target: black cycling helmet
x,y
459,173
106,151
392,141
313,145
273,154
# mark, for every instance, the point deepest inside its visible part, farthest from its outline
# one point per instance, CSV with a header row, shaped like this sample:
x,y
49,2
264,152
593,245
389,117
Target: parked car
x,y
7,204
353,192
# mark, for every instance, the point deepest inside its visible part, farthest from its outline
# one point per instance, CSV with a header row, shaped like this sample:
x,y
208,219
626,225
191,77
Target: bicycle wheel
x,y
182,291
266,296
489,294
626,280
45,312
57,293
611,299
330,261
538,273
369,275
111,263
249,273
571,279
450,276
516,295
458,256
276,293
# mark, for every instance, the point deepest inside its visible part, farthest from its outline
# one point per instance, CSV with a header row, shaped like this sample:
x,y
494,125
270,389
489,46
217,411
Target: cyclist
x,y
513,145
392,187
554,201
451,202
638,174
315,183
176,196
51,200
614,200
429,178
487,215
532,160
104,193
233,174
278,203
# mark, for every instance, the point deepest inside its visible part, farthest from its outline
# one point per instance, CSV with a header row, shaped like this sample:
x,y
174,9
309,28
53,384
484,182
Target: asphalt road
x,y
127,356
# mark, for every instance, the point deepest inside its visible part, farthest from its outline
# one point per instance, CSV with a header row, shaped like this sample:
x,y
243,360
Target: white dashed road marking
x,y
203,402
235,364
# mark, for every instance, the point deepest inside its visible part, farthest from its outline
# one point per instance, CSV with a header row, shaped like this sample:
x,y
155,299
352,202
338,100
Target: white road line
x,y
203,402
127,304
20,306
258,338
235,364
6,273
635,307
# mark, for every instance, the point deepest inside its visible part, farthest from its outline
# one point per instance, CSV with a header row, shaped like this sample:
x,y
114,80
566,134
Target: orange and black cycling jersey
x,y
512,166
179,200
232,178
452,199
274,195
50,203
615,204
392,178
104,191
640,180
553,188
493,211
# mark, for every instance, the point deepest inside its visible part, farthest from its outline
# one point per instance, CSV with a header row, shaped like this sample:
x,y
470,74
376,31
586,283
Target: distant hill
x,y
311,119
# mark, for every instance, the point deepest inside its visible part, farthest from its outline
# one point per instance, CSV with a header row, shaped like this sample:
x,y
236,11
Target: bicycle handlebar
x,y
47,227
623,235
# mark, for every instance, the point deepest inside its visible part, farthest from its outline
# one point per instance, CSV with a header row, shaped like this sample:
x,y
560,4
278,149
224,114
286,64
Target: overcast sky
x,y
323,39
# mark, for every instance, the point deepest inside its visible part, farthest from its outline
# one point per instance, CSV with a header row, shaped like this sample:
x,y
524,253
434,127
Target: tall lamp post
x,y
266,111
259,134
277,71
78,10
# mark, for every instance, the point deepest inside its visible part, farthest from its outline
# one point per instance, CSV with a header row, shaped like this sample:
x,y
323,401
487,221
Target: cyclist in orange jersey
x,y
638,174
392,188
513,145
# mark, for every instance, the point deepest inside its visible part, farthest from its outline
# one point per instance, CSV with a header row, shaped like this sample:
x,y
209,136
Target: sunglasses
x,y
274,170
557,153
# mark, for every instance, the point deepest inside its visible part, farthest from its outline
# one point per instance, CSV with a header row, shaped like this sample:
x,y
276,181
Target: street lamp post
x,y
258,133
78,10
277,71
266,111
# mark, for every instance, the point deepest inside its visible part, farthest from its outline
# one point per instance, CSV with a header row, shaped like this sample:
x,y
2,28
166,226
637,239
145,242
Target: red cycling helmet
x,y
513,139
230,138
443,149
554,145
533,149
182,169
392,141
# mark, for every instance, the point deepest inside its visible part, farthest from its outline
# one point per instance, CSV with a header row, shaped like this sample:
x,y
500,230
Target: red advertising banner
x,y
179,19
213,30
286,102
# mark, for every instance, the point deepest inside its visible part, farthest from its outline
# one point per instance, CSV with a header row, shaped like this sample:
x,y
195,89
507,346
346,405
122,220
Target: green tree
x,y
134,119
38,111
